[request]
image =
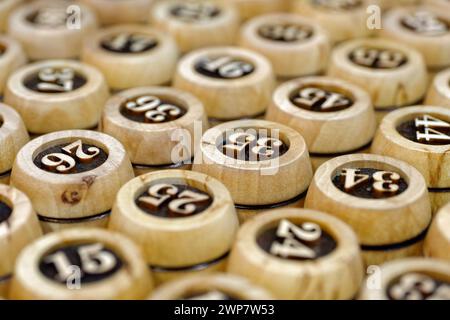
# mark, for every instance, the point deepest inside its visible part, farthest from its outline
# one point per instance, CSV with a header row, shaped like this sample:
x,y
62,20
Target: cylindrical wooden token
x,y
334,116
252,8
157,126
197,24
18,227
12,57
343,20
439,91
120,11
217,286
6,7
288,249
264,165
295,46
82,263
51,29
184,221
425,28
369,62
409,279
132,55
437,243
57,95
72,177
420,135
383,199
231,82
13,136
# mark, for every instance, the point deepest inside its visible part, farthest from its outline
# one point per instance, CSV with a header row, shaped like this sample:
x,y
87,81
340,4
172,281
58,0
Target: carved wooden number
x,y
287,33
239,142
227,67
426,23
338,4
195,11
384,181
294,238
428,129
133,42
327,100
414,286
93,260
51,17
51,80
182,203
378,58
64,162
153,108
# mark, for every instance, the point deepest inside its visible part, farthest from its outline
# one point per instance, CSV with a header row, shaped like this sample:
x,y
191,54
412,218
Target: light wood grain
x,y
437,243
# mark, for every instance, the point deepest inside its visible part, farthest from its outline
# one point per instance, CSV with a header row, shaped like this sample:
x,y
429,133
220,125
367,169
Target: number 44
x,y
430,133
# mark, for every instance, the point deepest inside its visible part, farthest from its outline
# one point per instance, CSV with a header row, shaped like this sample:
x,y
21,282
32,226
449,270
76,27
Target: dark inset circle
x,y
80,164
425,23
87,262
55,80
5,212
252,145
211,294
3,49
173,200
337,4
418,133
285,32
129,43
151,109
321,247
365,189
224,67
376,58
195,12
318,99
417,286
50,17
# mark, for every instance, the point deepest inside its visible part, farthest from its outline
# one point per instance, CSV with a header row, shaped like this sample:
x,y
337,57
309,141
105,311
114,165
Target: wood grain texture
x,y
11,58
228,98
220,30
121,70
120,12
439,91
437,243
132,281
289,59
407,84
49,42
49,112
335,276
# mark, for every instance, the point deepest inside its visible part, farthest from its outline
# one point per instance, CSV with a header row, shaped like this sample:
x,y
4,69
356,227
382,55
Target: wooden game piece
x,y
265,165
197,24
13,136
151,121
72,177
218,286
6,7
288,249
50,29
439,91
252,8
296,46
383,199
334,116
18,227
231,82
57,95
420,135
425,28
437,242
120,11
11,58
167,212
342,19
81,263
132,56
369,62
410,279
